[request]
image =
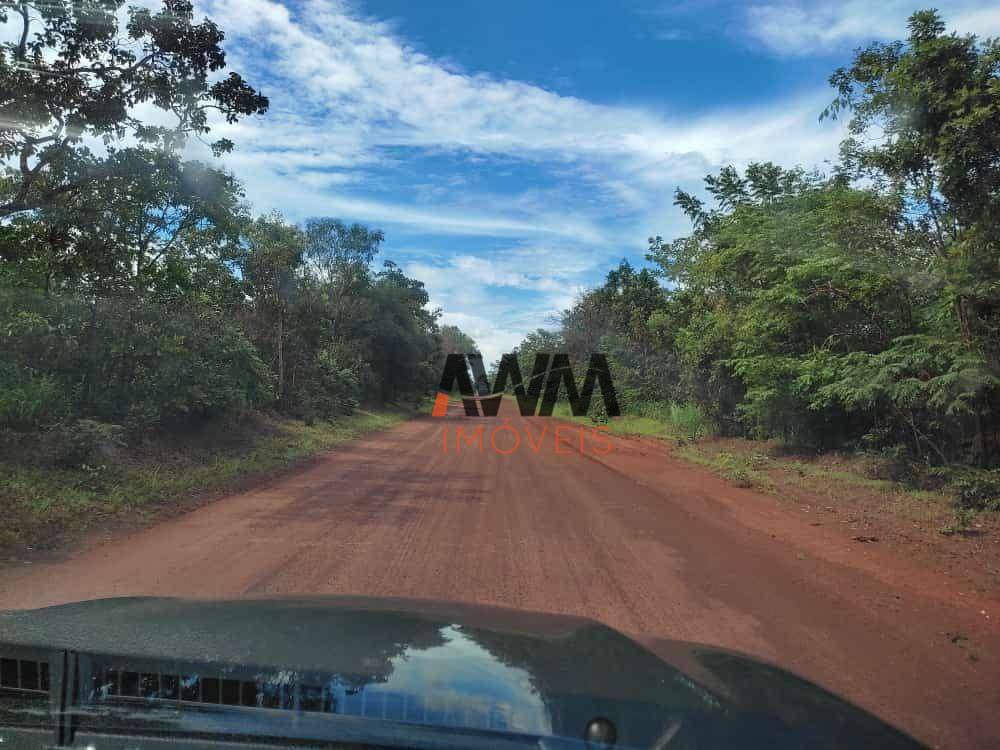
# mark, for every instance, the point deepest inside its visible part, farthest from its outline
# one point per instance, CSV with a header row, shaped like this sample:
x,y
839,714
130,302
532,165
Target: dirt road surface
x,y
633,537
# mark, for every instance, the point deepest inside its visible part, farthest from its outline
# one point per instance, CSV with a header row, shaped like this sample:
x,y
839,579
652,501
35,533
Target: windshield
x,y
680,320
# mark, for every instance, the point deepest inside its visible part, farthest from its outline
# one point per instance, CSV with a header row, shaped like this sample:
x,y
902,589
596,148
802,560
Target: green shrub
x,y
740,476
895,463
961,521
130,361
30,402
598,411
330,387
689,419
82,443
740,471
175,364
976,490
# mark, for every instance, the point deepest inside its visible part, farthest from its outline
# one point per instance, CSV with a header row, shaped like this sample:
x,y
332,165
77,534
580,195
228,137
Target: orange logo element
x,y
440,405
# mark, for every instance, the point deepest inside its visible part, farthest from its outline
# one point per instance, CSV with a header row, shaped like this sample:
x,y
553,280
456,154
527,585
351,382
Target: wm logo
x,y
547,375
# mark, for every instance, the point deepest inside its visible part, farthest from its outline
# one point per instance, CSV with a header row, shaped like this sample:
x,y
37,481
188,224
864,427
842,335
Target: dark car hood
x,y
465,665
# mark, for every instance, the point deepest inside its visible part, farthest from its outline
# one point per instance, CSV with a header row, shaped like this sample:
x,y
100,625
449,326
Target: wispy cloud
x,y
355,107
357,111
345,88
494,303
795,28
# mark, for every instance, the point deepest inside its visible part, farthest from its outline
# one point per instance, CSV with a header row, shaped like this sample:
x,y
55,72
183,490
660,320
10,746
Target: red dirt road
x,y
642,541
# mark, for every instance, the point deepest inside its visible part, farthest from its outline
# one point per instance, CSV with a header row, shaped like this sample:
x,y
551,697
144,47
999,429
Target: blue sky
x,y
512,152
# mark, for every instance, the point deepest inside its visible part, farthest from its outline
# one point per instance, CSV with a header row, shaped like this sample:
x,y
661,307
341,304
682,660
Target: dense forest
x,y
856,310
137,288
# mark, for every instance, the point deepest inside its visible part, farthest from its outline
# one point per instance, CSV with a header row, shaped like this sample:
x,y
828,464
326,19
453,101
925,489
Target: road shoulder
x,y
52,511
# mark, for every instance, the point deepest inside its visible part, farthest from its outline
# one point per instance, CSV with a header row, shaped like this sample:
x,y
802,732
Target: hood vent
x,y
154,686
28,675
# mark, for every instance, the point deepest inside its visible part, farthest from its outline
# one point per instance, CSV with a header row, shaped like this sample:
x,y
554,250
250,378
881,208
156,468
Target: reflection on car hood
x,y
466,666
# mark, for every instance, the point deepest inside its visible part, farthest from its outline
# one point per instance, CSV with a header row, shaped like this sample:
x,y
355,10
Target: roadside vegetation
x,y
157,337
860,492
854,313
143,301
52,491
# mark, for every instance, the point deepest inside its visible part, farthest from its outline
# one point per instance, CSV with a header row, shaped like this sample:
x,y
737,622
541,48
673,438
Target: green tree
x,y
270,268
71,72
453,340
401,341
145,228
341,257
923,118
122,360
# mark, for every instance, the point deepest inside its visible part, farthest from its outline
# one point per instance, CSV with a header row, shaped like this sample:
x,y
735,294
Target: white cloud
x,y
496,325
357,89
488,271
492,339
806,28
354,105
495,304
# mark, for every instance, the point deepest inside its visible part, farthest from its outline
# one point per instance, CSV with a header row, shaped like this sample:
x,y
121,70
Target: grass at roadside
x,y
668,421
44,504
829,478
853,493
764,465
838,481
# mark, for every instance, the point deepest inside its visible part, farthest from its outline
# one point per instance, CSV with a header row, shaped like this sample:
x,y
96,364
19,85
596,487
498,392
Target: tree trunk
x,y
90,390
281,354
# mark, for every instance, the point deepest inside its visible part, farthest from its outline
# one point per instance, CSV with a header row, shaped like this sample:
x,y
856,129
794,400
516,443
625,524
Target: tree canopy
x,y
858,309
138,287
75,76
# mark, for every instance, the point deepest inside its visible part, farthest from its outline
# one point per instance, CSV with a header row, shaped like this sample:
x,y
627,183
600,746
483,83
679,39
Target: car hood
x,y
468,666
